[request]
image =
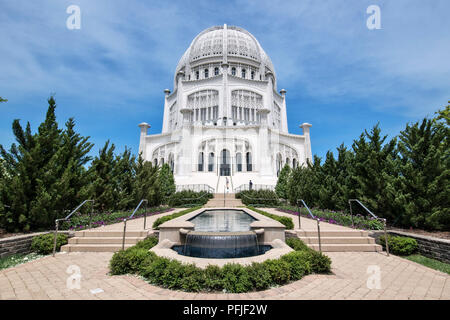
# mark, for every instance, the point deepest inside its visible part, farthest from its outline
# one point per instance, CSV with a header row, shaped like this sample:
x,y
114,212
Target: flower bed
x,y
81,221
336,217
232,277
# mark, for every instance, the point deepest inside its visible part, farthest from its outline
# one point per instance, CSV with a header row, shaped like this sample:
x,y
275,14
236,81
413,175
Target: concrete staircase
x,y
340,241
230,201
102,241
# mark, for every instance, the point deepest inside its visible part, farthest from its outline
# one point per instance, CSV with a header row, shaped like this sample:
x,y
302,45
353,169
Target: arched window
x,y
243,73
161,161
238,162
233,71
225,168
216,71
171,162
249,161
288,162
252,74
279,164
294,163
155,162
200,161
197,74
206,73
211,162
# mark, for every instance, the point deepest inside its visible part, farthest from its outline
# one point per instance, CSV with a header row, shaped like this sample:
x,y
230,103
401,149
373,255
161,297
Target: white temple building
x,y
225,119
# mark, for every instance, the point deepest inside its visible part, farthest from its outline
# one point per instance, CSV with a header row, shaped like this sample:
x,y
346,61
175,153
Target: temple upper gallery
x,y
225,120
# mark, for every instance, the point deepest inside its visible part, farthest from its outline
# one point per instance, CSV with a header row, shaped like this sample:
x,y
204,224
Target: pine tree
x,y
124,175
374,161
282,183
102,183
423,183
166,182
146,184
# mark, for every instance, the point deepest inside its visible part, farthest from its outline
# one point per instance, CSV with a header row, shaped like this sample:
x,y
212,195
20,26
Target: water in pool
x,y
222,221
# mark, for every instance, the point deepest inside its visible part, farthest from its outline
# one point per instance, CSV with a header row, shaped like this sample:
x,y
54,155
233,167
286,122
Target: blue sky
x,y
110,74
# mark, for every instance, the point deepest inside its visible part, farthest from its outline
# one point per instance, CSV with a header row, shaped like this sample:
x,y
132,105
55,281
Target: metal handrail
x,y
131,217
373,215
312,216
246,187
68,217
195,187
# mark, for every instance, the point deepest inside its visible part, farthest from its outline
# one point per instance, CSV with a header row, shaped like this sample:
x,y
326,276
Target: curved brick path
x,y
47,277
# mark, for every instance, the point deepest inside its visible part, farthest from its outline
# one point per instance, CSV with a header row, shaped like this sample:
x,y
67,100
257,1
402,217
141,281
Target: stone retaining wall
x,y
430,247
18,244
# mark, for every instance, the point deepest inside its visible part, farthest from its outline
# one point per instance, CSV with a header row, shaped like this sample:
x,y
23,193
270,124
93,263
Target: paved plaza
x,y
352,277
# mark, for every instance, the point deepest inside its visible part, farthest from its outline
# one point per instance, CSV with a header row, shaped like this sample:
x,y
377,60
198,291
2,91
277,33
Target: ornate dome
x,y
236,42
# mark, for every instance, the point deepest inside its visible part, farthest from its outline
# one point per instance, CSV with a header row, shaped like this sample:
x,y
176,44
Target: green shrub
x,y
236,278
265,198
279,270
299,264
259,276
212,278
402,246
287,221
43,244
154,272
192,278
163,219
232,277
188,198
319,262
296,244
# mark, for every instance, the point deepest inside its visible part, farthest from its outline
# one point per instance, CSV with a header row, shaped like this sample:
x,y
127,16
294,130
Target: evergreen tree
x,y
3,100
146,184
166,182
124,175
282,183
373,163
102,183
423,184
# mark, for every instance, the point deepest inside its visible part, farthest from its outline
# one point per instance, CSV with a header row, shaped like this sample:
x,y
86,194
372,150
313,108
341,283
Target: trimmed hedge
x,y
163,219
43,244
188,198
232,277
401,246
264,198
282,219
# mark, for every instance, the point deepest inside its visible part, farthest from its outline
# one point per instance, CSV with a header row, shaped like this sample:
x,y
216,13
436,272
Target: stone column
x,y
166,116
142,143
185,158
305,127
283,115
263,147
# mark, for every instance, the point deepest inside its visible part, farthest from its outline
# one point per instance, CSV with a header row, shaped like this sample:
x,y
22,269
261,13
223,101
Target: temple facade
x,y
225,123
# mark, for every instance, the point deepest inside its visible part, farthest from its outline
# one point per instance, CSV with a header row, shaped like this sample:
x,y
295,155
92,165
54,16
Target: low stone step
x,y
104,240
110,234
338,240
334,233
94,247
347,247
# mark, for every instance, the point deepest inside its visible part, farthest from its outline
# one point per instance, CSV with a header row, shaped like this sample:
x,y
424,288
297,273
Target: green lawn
x,y
430,263
16,259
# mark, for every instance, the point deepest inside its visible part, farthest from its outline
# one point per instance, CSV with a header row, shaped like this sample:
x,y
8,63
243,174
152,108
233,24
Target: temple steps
x,y
103,241
339,240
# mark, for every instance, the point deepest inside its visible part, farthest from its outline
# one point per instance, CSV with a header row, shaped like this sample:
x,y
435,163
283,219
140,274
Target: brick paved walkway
x,y
47,278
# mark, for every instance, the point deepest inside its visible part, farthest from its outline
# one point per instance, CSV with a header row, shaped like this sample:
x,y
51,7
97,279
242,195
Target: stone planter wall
x,y
19,244
430,247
